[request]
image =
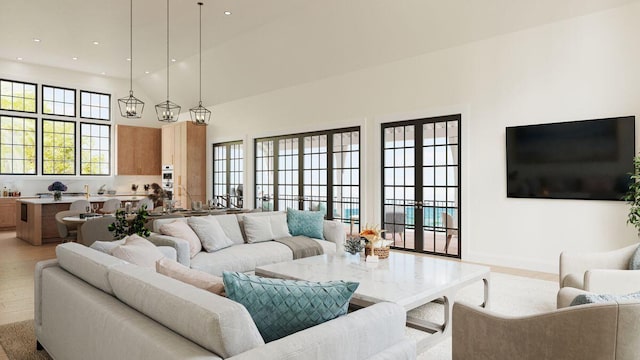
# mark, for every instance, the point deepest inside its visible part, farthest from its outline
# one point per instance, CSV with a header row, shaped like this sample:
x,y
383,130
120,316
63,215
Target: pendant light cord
x,y
200,3
131,47
167,51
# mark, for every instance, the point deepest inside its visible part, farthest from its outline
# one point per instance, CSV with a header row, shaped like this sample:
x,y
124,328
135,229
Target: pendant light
x,y
168,111
200,115
130,106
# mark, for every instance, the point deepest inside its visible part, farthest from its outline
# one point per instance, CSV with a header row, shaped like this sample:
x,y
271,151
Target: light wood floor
x,y
18,260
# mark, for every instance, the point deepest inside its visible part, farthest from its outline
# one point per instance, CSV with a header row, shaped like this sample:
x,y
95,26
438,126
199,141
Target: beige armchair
x,y
586,332
602,272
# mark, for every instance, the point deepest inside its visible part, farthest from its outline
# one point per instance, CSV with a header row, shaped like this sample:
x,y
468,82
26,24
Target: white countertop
x,y
70,199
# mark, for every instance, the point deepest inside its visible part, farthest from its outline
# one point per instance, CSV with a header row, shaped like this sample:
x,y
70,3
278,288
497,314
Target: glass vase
x,y
57,195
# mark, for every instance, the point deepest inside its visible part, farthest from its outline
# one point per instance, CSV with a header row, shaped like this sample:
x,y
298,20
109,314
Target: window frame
x,y
23,98
35,120
75,147
90,106
239,200
110,157
75,101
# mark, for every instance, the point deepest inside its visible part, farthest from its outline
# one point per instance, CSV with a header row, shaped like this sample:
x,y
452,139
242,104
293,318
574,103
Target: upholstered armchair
x,y
585,332
601,272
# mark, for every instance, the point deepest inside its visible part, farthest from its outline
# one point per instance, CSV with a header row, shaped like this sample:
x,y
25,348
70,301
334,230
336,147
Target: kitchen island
x,y
36,217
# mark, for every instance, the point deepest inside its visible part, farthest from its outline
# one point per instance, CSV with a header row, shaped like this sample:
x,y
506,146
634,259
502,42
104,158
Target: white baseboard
x,y
512,262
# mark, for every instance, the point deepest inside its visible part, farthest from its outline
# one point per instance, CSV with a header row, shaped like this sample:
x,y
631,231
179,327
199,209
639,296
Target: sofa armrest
x,y
358,335
579,263
606,281
566,296
578,332
40,266
182,246
334,231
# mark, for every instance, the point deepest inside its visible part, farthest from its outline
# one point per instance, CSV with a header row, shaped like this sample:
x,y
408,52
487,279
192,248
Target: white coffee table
x,y
404,278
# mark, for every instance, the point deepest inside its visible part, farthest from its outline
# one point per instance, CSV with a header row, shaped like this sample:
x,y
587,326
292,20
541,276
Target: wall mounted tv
x,y
588,159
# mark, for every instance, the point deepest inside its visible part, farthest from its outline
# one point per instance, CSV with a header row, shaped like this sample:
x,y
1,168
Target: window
x,y
58,101
95,153
17,145
58,147
228,170
17,96
313,171
95,105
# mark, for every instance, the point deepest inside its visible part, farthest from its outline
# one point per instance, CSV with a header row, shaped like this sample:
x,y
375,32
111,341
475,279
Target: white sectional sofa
x,y
90,305
242,256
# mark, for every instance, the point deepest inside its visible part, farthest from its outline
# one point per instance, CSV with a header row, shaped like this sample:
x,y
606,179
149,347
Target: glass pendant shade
x,y
130,106
168,111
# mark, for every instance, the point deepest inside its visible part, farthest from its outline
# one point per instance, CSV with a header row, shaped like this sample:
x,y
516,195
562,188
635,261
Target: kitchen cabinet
x,y
7,213
139,150
184,147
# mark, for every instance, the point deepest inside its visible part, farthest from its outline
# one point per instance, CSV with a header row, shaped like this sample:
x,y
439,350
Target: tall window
x,y
58,101
316,171
95,153
95,105
17,145
58,147
17,96
421,184
228,170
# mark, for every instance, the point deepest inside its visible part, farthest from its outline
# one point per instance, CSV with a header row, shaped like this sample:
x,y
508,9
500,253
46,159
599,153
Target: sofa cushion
x,y
213,322
137,250
258,229
210,233
157,223
197,278
282,307
231,227
591,298
182,230
307,223
634,261
87,264
241,258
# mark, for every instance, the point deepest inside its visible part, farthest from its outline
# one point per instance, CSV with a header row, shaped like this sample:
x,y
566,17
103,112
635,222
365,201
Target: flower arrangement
x,y
373,234
57,186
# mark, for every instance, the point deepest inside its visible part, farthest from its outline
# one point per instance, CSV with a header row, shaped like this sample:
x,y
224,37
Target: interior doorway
x,y
421,189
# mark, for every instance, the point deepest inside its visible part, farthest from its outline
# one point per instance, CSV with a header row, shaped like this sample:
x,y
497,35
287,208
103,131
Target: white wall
x,y
582,68
118,88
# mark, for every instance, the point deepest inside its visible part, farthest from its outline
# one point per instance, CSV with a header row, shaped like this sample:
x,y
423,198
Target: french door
x,y
421,185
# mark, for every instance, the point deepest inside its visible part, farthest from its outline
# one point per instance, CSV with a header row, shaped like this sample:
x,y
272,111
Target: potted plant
x,y
123,227
633,195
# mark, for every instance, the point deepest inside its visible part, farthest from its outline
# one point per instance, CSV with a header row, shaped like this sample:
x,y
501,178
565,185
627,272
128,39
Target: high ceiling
x,y
264,44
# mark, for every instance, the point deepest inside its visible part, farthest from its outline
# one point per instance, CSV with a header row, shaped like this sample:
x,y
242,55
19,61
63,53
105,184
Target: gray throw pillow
x,y
634,262
583,299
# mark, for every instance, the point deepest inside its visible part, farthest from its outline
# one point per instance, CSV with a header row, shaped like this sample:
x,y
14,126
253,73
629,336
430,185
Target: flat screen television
x,y
588,159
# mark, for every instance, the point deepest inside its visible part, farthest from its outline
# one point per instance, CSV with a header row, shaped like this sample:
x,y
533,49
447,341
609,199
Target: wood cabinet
x,y
184,147
139,150
7,213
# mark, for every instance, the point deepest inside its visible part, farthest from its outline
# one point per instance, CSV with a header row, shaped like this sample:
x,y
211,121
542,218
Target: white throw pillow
x,y
182,230
210,233
138,251
258,229
279,225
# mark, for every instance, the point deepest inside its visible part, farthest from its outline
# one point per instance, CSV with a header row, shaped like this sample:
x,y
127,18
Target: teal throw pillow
x,y
583,299
307,223
634,262
283,307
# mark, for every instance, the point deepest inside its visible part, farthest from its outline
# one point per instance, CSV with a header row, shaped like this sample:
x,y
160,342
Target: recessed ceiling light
x,y
19,58
103,73
173,60
96,43
146,72
36,40
227,12
128,59
74,58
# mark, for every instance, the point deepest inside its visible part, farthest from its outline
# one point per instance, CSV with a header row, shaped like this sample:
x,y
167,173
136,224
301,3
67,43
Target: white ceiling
x,y
264,45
